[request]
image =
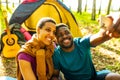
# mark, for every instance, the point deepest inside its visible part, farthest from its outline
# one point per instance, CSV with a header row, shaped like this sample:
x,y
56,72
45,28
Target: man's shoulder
x,y
82,38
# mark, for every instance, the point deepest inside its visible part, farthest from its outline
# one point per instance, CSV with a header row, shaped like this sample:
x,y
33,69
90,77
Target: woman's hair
x,y
42,21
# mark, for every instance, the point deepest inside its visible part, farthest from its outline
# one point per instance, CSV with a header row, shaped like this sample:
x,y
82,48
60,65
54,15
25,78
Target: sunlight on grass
x,y
2,24
85,22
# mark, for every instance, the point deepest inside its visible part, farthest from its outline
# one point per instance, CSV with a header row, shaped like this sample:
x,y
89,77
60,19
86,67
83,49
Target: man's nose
x,y
64,36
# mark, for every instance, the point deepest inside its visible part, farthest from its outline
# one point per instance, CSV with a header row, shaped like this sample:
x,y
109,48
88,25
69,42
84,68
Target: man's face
x,y
64,37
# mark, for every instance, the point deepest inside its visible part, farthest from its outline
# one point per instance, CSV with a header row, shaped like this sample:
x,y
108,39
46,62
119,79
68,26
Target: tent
x,y
30,11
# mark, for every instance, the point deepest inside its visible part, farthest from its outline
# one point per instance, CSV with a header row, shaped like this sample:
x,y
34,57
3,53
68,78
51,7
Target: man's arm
x,y
108,30
99,38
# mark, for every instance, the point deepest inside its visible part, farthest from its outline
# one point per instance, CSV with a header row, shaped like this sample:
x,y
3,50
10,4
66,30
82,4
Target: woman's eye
x,y
59,35
54,32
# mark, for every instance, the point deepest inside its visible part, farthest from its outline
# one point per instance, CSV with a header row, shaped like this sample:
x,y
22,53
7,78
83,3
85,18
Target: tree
x,y
13,4
0,4
93,10
19,1
109,5
7,5
86,6
79,6
99,12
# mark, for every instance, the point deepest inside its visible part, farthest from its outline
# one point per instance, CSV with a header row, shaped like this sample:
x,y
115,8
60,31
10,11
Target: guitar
x,y
11,46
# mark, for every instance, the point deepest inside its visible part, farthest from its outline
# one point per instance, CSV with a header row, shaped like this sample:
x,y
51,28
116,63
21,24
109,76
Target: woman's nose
x,y
52,34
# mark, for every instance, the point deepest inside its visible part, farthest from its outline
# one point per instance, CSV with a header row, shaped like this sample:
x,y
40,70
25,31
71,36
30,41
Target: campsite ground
x,y
7,66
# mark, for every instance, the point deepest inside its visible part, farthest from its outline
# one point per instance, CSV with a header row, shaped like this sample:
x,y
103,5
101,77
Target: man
x,y
73,56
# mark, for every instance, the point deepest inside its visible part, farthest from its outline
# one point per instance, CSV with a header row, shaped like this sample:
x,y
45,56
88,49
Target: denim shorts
x,y
102,74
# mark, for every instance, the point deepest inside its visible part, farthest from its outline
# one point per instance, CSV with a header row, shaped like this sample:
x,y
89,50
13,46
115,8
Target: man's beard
x,y
69,46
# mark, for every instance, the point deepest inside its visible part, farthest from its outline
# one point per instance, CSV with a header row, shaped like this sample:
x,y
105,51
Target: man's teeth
x,y
66,40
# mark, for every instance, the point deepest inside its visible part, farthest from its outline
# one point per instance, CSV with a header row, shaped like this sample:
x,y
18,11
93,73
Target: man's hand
x,y
105,22
112,29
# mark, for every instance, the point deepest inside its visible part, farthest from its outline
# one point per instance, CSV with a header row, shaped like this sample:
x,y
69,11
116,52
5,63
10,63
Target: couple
x,y
38,60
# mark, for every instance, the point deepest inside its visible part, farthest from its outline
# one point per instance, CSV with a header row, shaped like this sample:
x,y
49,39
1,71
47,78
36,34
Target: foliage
x,y
2,24
85,22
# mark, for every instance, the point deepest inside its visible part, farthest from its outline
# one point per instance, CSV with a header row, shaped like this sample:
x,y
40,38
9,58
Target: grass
x,y
85,22
2,24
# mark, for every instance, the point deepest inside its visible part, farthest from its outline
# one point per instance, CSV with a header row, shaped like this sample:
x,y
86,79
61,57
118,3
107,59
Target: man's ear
x,y
38,31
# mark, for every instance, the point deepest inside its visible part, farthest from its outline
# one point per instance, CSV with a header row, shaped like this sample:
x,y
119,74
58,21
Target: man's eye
x,y
67,32
48,30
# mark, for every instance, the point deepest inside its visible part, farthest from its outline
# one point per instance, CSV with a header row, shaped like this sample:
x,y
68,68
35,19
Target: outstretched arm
x,y
108,30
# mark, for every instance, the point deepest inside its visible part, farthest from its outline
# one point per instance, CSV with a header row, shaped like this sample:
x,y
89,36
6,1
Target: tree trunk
x,y
19,1
7,5
79,6
86,6
93,10
109,5
13,4
0,4
99,12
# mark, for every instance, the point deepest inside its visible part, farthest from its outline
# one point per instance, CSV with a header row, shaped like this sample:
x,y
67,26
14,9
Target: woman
x,y
34,58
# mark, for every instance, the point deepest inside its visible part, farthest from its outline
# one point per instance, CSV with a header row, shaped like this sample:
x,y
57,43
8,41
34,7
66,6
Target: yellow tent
x,y
46,8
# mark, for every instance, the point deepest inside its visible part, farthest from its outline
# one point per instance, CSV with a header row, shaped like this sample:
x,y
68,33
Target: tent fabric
x,y
29,13
23,11
29,1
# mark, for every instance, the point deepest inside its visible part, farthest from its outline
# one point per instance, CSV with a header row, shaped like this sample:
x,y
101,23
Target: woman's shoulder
x,y
25,56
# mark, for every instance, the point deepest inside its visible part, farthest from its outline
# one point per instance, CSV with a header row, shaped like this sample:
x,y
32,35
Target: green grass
x,y
85,21
2,24
85,18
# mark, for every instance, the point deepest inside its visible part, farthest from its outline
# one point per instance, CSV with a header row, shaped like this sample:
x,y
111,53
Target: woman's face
x,y
47,33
